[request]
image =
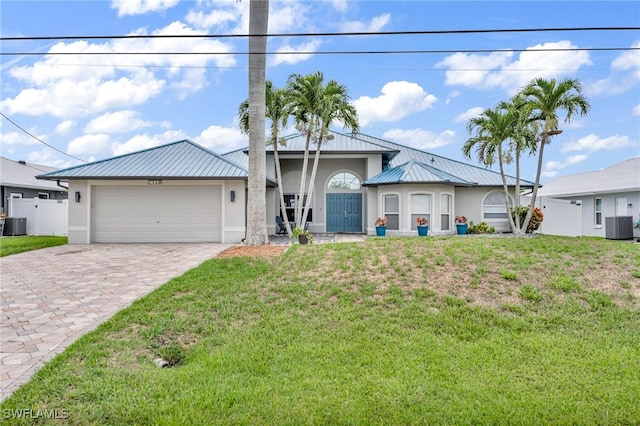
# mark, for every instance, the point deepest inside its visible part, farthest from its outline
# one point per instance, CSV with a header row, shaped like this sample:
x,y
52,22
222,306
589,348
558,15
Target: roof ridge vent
x,y
24,163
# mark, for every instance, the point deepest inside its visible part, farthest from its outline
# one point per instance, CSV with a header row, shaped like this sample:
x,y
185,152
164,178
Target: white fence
x,y
561,217
44,217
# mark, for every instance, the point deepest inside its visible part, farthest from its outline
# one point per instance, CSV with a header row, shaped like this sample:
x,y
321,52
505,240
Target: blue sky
x,y
98,106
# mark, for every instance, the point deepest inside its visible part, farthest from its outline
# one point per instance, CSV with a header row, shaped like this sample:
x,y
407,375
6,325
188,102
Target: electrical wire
x,y
40,140
323,34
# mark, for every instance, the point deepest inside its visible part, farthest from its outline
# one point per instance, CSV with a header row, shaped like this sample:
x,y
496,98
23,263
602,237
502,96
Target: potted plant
x,y
381,226
461,225
423,226
303,235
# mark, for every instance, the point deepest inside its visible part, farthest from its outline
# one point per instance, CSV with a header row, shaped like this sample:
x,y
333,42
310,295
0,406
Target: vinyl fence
x,y
44,217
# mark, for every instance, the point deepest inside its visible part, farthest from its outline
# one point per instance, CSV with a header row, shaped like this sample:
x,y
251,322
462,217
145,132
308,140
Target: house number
x,y
155,181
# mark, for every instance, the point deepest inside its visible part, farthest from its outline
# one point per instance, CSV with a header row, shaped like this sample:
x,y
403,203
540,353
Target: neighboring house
x,y
614,191
18,180
184,192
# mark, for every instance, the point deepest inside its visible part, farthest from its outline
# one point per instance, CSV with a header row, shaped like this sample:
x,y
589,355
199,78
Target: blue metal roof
x,y
426,167
413,172
179,160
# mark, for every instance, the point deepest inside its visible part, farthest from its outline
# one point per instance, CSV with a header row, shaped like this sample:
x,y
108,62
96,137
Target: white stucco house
x,y
610,192
183,192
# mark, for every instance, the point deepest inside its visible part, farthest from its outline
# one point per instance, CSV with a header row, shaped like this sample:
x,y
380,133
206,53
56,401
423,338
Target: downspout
x,y
60,185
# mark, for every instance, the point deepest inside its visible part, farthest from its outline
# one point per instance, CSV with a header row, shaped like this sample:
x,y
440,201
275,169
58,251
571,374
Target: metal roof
x,y
413,172
23,175
178,160
621,177
395,155
471,174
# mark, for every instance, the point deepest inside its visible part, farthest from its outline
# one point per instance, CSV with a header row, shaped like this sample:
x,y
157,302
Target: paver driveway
x,y
53,296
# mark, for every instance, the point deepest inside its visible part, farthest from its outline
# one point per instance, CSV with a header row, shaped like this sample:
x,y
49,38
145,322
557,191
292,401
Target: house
x,y
184,192
18,180
613,191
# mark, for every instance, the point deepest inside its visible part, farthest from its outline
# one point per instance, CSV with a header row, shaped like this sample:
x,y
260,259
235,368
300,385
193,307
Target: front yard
x,y
542,330
13,245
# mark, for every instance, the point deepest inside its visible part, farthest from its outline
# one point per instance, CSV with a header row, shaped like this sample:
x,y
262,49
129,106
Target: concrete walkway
x,y
53,296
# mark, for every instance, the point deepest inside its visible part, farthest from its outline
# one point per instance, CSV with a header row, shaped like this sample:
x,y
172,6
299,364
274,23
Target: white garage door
x,y
154,214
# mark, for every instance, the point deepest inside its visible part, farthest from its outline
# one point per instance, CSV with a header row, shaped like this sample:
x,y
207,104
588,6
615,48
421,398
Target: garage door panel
x,y
157,214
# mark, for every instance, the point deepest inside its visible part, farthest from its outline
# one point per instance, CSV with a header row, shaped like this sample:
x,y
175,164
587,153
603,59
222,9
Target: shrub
x,y
481,228
536,217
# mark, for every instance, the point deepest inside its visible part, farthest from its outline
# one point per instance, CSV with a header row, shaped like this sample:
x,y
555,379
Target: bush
x,y
536,218
481,228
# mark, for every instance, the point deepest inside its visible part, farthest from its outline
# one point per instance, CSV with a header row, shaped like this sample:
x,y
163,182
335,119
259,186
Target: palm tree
x,y
545,98
492,128
276,112
315,107
256,203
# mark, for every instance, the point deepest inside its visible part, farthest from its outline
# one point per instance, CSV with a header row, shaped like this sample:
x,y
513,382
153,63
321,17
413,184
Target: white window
x,y
445,212
391,209
344,181
420,207
598,211
494,207
43,195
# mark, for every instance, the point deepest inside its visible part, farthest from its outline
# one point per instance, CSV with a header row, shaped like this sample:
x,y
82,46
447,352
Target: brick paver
x,y
53,296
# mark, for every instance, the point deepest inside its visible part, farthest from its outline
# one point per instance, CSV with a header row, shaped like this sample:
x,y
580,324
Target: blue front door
x,y
344,212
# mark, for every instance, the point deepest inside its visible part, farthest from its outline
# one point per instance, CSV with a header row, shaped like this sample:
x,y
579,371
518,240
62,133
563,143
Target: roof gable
x,y
414,172
178,160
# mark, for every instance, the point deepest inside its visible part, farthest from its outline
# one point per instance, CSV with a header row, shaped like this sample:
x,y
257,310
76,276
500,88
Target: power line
x,y
333,52
40,140
324,34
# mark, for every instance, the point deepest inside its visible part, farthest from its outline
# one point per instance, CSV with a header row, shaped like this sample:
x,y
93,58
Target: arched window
x,y
494,207
344,181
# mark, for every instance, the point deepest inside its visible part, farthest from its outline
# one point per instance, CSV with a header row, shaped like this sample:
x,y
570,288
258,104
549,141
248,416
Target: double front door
x,y
344,212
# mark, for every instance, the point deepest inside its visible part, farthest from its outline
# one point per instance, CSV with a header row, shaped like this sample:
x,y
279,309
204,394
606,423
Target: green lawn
x,y
457,330
13,245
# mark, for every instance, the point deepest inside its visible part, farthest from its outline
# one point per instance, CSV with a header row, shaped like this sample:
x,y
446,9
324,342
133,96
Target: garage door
x,y
154,214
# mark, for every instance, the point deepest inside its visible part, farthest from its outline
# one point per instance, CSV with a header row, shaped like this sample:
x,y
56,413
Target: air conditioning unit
x,y
15,226
619,228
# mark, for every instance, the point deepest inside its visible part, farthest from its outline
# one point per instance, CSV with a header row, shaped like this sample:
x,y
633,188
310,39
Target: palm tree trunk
x,y
303,179
517,199
283,208
312,180
507,201
536,184
256,203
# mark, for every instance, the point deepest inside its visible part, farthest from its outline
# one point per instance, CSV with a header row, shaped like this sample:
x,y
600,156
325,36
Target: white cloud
x,y
49,157
398,100
498,70
119,122
625,74
53,87
636,110
593,143
222,139
138,7
283,58
15,138
65,127
339,5
419,138
96,145
469,114
140,142
377,23
574,159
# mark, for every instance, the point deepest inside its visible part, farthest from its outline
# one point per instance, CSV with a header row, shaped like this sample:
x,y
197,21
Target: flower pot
x,y
462,228
423,230
303,239
381,230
